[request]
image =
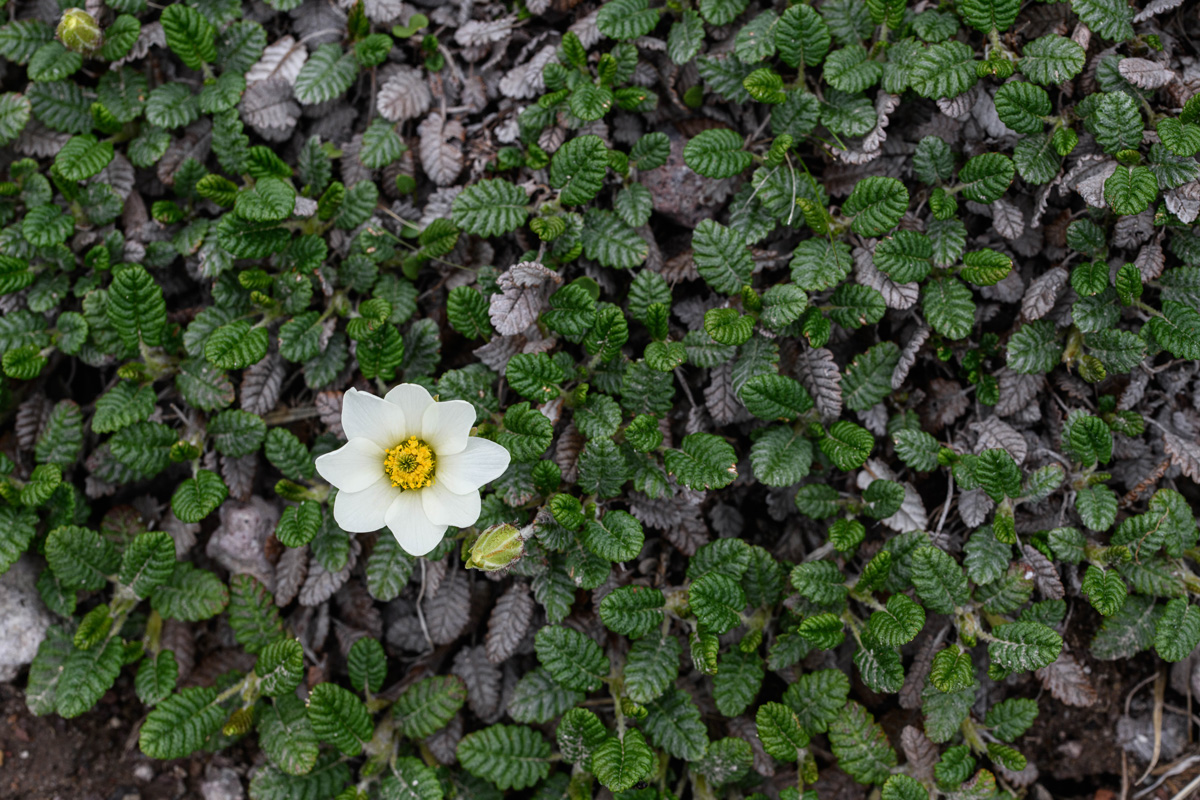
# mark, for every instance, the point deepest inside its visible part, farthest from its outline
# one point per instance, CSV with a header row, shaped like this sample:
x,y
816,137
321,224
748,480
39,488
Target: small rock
x,y
23,618
681,194
144,773
221,784
238,544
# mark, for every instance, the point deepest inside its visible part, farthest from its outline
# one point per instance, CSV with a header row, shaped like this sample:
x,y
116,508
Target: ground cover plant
x,y
845,354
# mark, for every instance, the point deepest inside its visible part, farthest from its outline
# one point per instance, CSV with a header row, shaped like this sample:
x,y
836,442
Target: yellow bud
x,y
496,548
79,31
239,722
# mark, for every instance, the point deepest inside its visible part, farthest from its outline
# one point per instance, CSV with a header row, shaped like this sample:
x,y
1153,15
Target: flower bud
x,y
497,547
79,31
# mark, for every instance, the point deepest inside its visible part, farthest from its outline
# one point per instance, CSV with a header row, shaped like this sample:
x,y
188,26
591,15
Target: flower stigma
x,y
410,464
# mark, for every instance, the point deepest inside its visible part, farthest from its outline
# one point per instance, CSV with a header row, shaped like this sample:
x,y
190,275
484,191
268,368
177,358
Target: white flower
x,y
411,464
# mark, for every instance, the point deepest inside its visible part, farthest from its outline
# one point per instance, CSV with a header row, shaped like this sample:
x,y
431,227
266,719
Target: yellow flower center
x,y
410,464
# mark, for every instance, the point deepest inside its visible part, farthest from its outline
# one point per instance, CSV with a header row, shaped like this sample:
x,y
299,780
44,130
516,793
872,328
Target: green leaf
x,y
737,682
288,454
847,445
877,205
1178,329
985,177
721,256
1112,19
82,157
818,264
617,536
1104,589
861,746
1020,646
340,718
717,601
136,309
868,378
571,658
252,614
324,780
1034,348
429,705
944,70
726,326
817,698
1182,139
508,756
1130,190
198,497
998,474
632,611
880,668
189,35
181,724
652,666
580,733
269,200
578,167
626,19
952,670
939,581
704,462
852,306
17,529
673,723
327,74
148,562
899,623
780,731
1177,631
80,557
851,70
608,240
527,432
190,595
917,449
775,397
1022,106
86,676
156,678
1116,121
1051,59
802,36
717,153
988,15
286,735
621,763
1011,718
1097,506
902,787
490,208
780,457
820,581
123,405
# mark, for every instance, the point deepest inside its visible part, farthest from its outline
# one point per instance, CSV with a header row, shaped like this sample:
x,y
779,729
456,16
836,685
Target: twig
x,y
946,506
420,613
1187,790
1160,688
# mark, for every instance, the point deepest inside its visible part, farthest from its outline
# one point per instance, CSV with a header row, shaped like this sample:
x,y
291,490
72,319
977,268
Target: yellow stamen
x,y
410,464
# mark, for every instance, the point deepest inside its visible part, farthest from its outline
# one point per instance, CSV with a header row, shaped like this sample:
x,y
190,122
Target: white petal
x,y
354,466
370,417
413,530
480,461
447,508
412,399
446,426
363,512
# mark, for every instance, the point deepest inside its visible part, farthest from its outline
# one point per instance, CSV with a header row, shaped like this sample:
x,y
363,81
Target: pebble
x,y
238,543
221,784
23,618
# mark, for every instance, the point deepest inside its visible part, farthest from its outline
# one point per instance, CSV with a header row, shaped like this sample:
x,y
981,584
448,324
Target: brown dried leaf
x,y
1045,576
1184,454
261,384
946,403
1066,680
1144,73
524,290
448,612
482,678
320,584
509,622
441,148
290,572
995,434
283,59
922,754
818,371
1017,391
1043,293
404,95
